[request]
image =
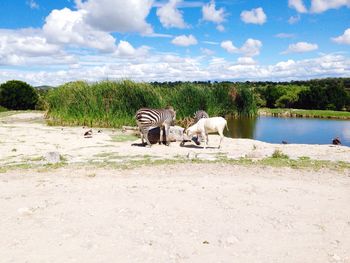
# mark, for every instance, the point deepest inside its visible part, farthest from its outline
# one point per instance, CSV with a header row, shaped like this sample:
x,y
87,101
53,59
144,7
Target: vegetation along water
x,y
114,103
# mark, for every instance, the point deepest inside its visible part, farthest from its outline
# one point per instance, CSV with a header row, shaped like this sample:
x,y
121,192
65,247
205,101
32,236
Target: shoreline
x,y
301,113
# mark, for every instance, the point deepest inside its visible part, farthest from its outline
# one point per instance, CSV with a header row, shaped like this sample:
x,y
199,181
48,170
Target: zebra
x,y
147,119
199,115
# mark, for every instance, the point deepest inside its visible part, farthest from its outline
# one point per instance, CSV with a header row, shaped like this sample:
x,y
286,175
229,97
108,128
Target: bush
x,y
18,95
245,101
221,99
187,99
2,109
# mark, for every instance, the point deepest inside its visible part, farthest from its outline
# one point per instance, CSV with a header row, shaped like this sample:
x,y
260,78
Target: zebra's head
x,y
172,111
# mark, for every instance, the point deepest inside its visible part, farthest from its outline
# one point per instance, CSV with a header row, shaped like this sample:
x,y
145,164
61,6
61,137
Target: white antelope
x,y
208,125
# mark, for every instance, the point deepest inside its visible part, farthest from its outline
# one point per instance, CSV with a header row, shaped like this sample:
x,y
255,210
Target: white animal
x,y
208,125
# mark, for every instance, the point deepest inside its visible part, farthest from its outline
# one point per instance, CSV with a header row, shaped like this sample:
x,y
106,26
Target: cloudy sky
x,y
52,42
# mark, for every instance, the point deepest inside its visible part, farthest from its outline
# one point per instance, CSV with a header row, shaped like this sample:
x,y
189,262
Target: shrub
x,y
18,95
278,154
187,99
2,109
221,99
245,101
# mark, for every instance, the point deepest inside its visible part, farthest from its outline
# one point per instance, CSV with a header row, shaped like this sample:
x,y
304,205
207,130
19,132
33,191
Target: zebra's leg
x,y
167,128
145,135
160,134
142,137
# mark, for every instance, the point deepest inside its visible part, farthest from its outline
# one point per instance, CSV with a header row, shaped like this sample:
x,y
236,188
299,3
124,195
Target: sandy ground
x,y
210,212
24,138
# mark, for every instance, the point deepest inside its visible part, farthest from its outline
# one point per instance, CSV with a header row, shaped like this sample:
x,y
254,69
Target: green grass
x,y
2,109
305,113
278,162
278,154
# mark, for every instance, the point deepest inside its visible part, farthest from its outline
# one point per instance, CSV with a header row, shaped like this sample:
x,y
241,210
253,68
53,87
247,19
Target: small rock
x,y
336,258
52,157
25,211
88,134
191,155
232,240
176,133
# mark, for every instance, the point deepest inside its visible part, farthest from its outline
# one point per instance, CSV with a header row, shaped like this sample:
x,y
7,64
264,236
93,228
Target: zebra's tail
x,y
227,126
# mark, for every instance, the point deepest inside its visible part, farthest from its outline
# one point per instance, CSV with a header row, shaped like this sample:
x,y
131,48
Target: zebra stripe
x,y
147,119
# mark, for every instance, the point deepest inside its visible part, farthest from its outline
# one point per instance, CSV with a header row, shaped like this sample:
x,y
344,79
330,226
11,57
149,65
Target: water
x,y
291,130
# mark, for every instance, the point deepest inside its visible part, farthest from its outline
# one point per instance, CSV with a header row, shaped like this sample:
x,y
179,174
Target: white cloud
x,y
160,67
319,6
229,46
220,28
294,19
117,15
211,42
32,4
246,61
249,49
343,39
184,40
210,13
125,49
170,16
254,16
301,47
284,35
207,52
297,5
19,47
68,27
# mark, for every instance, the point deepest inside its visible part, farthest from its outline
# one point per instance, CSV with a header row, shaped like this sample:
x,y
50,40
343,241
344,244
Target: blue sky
x,y
52,42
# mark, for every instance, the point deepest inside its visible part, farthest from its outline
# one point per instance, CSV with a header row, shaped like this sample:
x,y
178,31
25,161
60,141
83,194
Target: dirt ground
x,y
188,212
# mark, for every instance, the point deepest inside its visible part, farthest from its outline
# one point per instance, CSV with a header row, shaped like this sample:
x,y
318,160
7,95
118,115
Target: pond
x,y
291,130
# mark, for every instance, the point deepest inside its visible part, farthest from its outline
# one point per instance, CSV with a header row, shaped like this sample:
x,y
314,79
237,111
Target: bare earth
x,y
208,212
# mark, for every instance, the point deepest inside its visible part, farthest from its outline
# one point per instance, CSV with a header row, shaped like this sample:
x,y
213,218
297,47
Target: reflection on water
x,y
291,130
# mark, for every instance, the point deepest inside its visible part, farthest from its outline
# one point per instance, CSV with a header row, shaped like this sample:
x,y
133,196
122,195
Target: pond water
x,y
291,130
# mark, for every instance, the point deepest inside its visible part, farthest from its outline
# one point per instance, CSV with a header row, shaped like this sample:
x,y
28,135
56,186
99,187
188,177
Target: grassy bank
x,y
328,114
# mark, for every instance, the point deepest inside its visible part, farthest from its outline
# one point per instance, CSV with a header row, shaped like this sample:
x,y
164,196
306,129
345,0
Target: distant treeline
x,y
320,94
114,103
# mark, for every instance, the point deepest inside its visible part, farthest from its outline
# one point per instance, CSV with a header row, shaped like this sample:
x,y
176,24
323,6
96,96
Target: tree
x,y
272,93
245,101
18,95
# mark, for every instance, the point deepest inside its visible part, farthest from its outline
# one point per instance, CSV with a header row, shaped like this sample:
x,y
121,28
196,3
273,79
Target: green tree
x,y
18,95
272,93
245,101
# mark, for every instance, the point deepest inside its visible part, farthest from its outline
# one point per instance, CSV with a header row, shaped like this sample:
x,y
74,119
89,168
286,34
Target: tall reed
x,y
113,104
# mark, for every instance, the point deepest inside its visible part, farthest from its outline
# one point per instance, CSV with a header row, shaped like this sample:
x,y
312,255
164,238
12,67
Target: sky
x,y
53,42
